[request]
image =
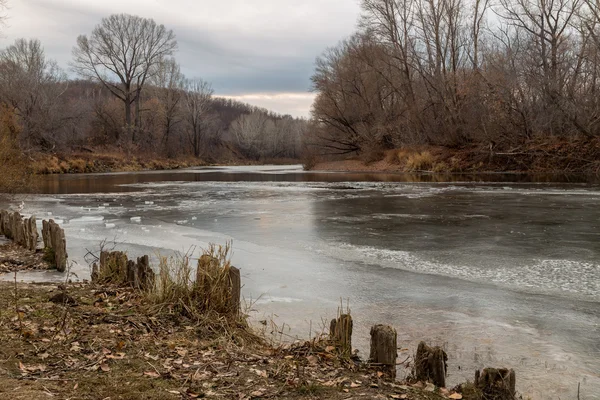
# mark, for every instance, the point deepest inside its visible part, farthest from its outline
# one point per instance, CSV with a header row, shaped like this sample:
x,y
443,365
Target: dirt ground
x,y
81,341
15,258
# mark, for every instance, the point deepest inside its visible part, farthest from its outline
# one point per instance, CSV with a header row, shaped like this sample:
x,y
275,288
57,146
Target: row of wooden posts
x,y
23,231
430,364
115,267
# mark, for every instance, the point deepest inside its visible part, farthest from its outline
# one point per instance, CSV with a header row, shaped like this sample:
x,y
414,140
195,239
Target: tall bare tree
x,y
120,53
198,95
169,83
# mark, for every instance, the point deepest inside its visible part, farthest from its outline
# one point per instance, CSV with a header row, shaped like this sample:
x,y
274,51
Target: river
x,y
500,270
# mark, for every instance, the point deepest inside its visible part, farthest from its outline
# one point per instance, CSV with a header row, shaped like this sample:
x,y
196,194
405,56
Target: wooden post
x,y
46,234
144,274
235,285
32,233
340,331
56,237
384,349
495,383
430,364
18,232
114,267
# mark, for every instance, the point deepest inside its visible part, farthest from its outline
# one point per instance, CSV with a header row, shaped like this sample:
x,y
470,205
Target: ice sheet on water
x,y
110,225
136,219
581,279
275,299
87,219
148,203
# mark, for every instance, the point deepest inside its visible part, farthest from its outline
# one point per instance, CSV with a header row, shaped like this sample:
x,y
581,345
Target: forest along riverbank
x,y
498,272
541,156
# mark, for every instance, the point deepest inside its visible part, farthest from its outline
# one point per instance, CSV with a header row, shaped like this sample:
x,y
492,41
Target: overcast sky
x,y
258,51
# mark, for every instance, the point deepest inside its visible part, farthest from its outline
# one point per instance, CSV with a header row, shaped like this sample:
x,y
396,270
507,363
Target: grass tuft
x,y
422,161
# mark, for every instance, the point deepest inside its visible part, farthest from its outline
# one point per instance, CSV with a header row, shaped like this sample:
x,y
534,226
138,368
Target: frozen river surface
x,y
500,273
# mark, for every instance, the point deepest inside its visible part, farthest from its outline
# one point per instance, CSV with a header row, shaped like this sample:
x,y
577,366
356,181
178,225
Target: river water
x,y
500,270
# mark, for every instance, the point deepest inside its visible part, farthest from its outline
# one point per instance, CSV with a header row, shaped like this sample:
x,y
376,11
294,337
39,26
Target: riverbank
x,y
548,156
106,161
87,160
97,342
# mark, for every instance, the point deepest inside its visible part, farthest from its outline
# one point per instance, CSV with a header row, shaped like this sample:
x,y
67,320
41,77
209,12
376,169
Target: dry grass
x,y
422,161
207,298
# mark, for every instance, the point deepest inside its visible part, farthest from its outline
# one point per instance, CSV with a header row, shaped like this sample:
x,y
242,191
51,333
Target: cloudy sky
x,y
258,51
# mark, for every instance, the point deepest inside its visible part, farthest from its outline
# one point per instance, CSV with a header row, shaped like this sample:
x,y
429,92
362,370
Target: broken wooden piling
x,y
55,243
384,347
340,332
497,384
114,267
21,231
430,364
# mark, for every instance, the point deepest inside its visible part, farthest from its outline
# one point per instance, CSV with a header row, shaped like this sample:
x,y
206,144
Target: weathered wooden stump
x,y
340,331
144,278
430,364
18,230
54,239
217,287
114,267
3,221
384,349
46,234
31,233
235,288
497,384
21,231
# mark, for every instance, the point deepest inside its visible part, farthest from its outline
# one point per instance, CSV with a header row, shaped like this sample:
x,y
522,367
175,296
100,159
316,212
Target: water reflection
x,y
113,182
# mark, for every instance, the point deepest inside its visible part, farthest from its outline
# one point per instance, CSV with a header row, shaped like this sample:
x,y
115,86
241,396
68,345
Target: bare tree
x,y
169,84
198,96
31,84
120,53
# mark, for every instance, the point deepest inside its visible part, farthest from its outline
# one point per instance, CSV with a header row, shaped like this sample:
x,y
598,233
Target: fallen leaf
x,y
258,372
312,359
76,386
152,374
148,355
354,385
455,396
329,349
104,367
258,393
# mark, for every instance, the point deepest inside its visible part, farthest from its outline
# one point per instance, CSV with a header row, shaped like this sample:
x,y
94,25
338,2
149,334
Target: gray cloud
x,y
242,47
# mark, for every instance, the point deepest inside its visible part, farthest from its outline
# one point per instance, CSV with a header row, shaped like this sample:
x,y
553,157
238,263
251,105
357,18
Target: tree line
x,y
461,72
125,89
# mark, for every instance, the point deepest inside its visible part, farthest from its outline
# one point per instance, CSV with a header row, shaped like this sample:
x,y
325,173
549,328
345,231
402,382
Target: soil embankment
x,y
549,156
